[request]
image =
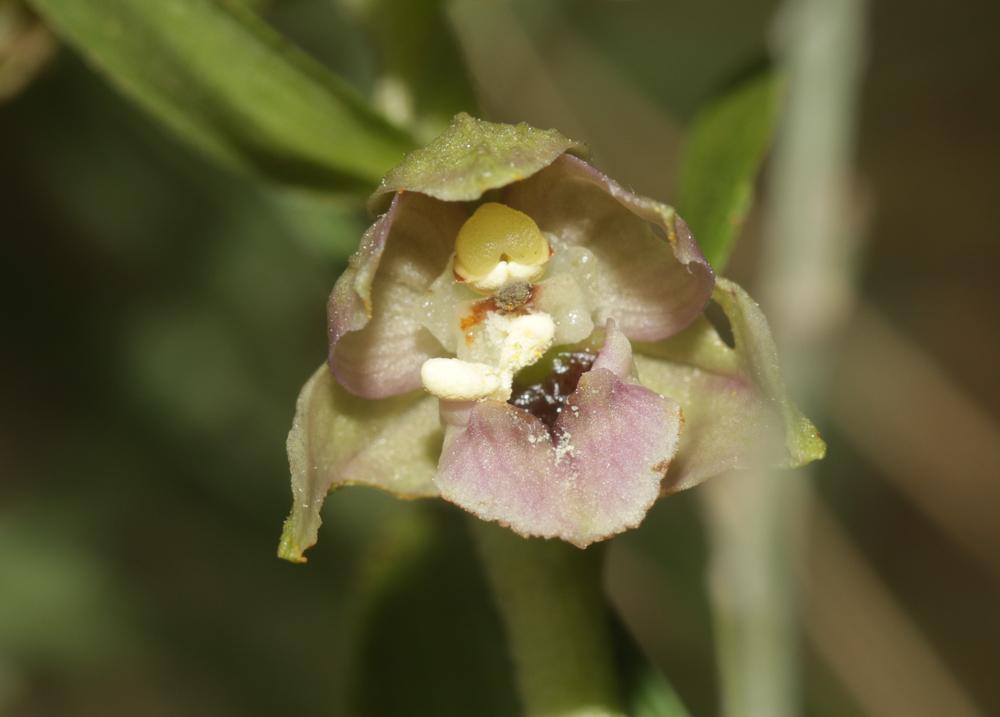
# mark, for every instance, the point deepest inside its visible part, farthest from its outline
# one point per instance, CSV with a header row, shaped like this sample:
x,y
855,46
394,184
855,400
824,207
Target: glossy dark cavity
x,y
547,398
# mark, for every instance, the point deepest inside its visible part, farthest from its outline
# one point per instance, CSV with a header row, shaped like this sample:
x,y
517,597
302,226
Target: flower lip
x,y
580,466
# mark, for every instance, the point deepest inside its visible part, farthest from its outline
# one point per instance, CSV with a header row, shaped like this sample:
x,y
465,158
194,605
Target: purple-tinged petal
x,y
620,437
652,277
471,157
377,341
339,439
595,474
499,466
616,354
736,409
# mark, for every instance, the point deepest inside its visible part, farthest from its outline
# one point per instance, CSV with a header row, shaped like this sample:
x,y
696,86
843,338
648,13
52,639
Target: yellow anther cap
x,y
496,233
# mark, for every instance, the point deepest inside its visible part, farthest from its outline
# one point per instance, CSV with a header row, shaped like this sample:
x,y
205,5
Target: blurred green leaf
x,y
424,81
57,591
647,693
726,145
430,640
650,695
225,81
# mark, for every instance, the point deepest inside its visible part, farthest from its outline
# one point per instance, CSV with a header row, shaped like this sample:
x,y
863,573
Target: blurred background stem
x,y
552,605
757,520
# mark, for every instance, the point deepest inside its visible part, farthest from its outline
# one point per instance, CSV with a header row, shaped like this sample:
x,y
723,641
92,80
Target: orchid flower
x,y
520,335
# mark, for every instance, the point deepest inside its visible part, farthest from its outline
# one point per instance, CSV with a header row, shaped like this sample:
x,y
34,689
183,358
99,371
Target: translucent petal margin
x,y
471,157
377,342
338,439
598,475
652,278
736,409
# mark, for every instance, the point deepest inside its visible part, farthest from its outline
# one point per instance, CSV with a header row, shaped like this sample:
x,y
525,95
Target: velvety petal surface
x,y
650,275
339,439
736,409
376,337
595,475
471,157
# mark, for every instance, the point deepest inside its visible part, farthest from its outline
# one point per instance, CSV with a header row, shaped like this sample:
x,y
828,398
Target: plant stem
x,y
758,521
558,628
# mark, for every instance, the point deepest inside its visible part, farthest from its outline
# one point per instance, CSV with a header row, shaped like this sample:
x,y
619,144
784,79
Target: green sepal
x,y
338,439
471,157
737,412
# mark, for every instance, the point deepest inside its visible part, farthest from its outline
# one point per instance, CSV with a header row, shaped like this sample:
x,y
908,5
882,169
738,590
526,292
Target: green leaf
x,y
424,82
646,691
429,640
724,150
226,82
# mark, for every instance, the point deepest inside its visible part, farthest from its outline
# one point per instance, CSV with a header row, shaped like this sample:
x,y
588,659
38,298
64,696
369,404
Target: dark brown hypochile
x,y
547,399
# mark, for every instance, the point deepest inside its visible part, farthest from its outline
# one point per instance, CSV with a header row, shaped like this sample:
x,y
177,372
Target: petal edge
x,y
338,439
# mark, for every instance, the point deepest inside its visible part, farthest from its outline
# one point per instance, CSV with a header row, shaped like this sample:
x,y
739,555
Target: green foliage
x,y
424,78
430,641
223,80
647,693
727,142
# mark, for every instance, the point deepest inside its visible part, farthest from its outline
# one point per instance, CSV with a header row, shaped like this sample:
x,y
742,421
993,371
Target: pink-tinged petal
x,y
736,409
471,157
500,466
377,341
652,278
594,475
339,439
619,438
616,353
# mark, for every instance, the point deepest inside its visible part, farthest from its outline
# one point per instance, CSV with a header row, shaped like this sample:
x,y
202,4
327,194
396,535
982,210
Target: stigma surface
x,y
499,251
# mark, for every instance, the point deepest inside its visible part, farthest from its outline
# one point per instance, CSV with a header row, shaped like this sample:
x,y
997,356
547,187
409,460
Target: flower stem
x,y
558,627
758,521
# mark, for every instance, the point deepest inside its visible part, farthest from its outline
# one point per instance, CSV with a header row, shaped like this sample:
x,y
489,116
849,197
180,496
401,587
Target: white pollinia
x,y
517,341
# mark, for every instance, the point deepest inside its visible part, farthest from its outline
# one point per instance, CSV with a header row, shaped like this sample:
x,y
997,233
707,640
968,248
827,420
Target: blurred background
x,y
160,314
